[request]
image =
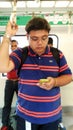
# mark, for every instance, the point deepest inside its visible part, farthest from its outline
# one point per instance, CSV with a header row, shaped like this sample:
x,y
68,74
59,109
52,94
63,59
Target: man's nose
x,y
39,40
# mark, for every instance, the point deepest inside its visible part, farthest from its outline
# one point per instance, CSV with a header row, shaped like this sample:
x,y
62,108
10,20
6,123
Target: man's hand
x,y
47,84
11,28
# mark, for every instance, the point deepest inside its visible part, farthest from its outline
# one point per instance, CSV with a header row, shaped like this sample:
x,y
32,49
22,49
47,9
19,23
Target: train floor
x,y
67,120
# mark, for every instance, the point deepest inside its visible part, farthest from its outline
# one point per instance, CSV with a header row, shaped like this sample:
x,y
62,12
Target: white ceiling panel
x,y
47,4
33,4
62,4
40,6
5,4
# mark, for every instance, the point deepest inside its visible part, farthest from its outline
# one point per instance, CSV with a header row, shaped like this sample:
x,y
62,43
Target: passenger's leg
x,y
8,96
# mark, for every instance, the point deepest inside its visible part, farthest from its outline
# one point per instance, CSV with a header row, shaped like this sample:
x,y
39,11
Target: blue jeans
x,y
48,126
10,88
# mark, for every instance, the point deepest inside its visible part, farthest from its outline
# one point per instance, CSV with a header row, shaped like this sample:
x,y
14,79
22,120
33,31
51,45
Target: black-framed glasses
x,y
36,39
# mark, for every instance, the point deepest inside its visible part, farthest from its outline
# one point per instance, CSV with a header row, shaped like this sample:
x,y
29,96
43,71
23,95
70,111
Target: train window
x,y
55,40
22,40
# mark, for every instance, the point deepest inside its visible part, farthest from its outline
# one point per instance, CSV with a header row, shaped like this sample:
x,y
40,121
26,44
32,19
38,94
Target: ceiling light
x,y
61,3
20,4
47,3
5,4
33,4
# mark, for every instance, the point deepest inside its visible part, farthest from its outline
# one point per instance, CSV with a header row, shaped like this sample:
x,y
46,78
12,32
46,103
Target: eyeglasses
x,y
36,39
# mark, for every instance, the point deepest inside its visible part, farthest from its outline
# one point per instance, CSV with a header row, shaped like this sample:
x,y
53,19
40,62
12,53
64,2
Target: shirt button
x,y
39,58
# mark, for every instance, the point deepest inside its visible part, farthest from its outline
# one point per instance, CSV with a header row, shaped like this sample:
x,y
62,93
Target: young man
x,y
39,103
11,86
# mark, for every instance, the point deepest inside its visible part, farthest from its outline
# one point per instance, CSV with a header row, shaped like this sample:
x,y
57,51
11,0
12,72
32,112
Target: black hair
x,y
14,41
37,23
50,40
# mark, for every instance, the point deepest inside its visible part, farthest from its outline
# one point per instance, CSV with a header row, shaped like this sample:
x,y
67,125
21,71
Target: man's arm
x,y
63,80
55,82
6,64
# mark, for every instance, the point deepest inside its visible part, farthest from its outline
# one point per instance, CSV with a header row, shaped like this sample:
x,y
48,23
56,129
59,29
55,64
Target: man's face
x,y
38,41
14,46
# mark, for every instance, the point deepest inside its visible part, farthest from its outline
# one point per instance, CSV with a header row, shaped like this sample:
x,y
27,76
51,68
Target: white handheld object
x,y
13,14
13,17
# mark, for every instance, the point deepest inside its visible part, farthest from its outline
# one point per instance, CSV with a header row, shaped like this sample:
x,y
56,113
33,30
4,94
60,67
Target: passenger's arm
x,y
6,64
63,80
56,82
